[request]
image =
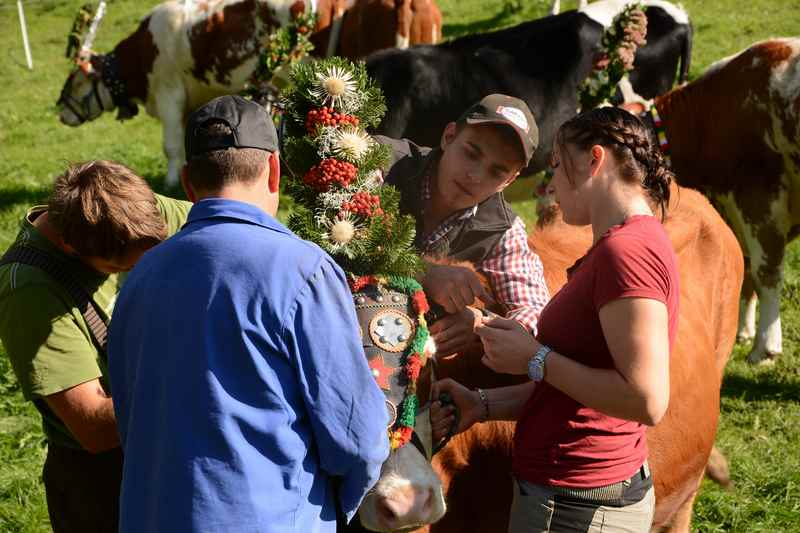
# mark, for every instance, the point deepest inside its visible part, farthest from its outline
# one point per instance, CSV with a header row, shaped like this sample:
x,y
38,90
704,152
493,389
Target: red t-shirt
x,y
559,441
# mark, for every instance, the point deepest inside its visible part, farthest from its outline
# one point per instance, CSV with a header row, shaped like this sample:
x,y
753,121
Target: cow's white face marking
x,y
604,11
409,493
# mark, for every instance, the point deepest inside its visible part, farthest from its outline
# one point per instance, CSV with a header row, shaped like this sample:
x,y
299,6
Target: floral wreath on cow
x,y
342,205
610,64
615,57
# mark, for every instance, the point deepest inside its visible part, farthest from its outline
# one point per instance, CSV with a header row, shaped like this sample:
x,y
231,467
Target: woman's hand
x,y
456,333
507,345
469,405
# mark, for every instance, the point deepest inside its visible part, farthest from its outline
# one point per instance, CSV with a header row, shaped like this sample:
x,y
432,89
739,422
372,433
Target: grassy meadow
x,y
760,423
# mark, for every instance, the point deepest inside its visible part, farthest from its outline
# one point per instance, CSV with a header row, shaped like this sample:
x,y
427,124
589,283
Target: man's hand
x,y
507,345
454,287
456,333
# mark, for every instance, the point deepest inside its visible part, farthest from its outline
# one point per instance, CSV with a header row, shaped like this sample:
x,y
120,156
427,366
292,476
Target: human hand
x,y
456,333
507,345
454,287
469,405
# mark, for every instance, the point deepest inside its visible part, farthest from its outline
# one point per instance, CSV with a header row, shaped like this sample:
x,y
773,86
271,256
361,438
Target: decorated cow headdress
x,y
342,205
83,33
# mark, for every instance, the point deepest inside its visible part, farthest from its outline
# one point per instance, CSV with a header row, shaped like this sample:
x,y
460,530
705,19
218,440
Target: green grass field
x,y
760,423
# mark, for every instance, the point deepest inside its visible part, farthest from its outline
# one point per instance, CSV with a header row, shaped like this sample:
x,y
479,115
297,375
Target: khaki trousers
x,y
538,509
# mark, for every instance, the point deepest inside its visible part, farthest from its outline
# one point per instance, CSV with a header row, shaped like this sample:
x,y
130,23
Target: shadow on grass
x,y
767,386
454,31
15,194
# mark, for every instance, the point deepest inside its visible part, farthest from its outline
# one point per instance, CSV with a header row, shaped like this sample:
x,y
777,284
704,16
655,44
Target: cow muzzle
x,y
408,495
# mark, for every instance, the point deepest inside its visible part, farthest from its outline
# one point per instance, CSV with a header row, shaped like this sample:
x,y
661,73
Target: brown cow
x,y
475,467
356,28
734,134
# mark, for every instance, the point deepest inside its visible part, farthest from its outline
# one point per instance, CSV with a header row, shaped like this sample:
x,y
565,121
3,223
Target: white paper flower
x,y
339,234
342,231
351,144
334,86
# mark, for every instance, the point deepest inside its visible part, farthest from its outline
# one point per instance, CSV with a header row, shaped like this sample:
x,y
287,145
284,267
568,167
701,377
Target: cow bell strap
x,y
27,255
445,399
112,79
661,132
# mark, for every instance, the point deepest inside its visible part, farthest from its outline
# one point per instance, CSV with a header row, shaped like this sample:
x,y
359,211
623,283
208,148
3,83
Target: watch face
x,y
535,368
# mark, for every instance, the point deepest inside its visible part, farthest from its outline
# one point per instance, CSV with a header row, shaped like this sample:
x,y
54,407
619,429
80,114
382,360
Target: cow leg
x,y
555,7
766,269
682,520
170,106
747,310
582,4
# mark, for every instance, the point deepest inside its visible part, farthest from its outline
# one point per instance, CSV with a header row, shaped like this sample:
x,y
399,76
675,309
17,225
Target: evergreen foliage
x,y
351,214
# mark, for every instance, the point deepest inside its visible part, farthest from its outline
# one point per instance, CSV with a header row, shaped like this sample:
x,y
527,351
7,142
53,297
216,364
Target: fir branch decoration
x,y
615,57
77,33
340,200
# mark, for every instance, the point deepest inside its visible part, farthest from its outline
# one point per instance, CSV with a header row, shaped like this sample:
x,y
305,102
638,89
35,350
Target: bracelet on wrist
x,y
485,401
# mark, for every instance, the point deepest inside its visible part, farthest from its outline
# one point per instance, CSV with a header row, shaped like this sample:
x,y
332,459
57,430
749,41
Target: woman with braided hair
x,y
599,366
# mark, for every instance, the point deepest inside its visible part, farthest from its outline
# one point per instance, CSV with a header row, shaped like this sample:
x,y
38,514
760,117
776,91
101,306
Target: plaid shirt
x,y
515,273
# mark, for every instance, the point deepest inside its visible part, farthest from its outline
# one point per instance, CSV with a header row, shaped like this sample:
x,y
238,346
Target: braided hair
x,y
640,160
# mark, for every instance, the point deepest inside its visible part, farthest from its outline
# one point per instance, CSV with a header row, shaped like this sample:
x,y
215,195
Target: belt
x,y
619,493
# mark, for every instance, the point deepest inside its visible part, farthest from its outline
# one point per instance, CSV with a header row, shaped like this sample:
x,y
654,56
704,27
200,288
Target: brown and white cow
x,y
180,57
356,28
734,134
475,467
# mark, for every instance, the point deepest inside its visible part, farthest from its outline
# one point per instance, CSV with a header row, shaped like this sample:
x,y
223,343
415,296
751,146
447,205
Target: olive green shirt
x,y
45,335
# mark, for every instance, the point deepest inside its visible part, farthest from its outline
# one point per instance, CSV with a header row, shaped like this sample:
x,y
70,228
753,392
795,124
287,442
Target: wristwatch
x,y
536,363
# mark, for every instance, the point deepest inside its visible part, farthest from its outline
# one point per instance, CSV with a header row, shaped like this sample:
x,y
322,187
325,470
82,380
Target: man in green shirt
x,y
99,220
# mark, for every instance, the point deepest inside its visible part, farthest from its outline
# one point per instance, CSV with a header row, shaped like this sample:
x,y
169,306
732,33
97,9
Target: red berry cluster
x,y
325,116
364,204
329,171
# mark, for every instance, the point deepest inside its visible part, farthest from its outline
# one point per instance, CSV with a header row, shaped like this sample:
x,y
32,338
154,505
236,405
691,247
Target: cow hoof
x,y
760,358
743,338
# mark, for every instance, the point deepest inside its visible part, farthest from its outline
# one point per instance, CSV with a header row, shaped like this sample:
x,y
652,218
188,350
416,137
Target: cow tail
x,y
686,54
717,469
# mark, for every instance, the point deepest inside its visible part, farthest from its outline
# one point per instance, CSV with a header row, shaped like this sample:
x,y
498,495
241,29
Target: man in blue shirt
x,y
243,397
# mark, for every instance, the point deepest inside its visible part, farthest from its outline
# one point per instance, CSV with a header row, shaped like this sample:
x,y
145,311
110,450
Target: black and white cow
x,y
542,62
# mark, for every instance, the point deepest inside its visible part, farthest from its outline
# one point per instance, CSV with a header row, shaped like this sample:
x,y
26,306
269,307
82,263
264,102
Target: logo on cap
x,y
515,116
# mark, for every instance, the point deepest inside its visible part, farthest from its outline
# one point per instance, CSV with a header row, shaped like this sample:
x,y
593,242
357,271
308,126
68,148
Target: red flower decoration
x,y
420,302
413,366
359,283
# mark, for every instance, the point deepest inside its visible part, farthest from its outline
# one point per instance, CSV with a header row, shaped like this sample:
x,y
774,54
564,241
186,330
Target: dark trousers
x,y
82,489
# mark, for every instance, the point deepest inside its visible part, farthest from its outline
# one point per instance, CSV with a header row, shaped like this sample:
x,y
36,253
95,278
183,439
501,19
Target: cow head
x,y
408,494
84,96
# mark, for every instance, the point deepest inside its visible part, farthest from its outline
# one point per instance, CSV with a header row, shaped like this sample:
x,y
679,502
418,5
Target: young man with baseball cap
x,y
455,191
240,384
